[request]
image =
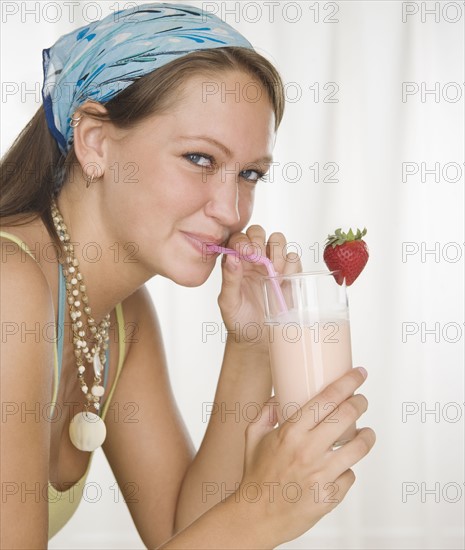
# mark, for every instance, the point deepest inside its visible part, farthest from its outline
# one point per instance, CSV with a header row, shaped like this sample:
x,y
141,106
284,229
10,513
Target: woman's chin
x,y
192,279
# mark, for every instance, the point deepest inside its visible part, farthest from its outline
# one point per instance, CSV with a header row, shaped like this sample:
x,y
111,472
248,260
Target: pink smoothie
x,y
305,358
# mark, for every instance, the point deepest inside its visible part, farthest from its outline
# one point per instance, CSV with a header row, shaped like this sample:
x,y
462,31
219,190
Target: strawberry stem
x,y
340,237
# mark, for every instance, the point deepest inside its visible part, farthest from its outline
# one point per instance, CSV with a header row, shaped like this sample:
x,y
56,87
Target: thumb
x,y
264,423
231,286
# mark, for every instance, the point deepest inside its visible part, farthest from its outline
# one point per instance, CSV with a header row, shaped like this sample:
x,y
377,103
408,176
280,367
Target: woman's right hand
x,y
292,477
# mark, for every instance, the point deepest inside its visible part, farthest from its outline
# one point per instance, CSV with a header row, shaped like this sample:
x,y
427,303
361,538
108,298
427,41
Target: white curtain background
x,y
375,101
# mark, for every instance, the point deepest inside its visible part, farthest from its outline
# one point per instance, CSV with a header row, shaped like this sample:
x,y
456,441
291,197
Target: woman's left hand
x,y
241,297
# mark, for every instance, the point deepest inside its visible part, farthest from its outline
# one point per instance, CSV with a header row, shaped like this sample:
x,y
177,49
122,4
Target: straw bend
x,y
259,260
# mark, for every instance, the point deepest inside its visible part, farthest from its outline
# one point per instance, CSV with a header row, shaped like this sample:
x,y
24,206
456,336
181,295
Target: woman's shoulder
x,y
26,356
23,284
29,233
17,255
27,312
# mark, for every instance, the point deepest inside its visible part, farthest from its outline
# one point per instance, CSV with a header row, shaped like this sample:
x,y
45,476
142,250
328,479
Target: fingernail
x,y
363,371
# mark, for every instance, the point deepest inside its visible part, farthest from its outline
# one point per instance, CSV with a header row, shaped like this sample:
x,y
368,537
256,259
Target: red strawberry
x,y
347,254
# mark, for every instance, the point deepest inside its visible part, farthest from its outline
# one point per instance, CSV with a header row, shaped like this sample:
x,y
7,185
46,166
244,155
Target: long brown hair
x,y
33,170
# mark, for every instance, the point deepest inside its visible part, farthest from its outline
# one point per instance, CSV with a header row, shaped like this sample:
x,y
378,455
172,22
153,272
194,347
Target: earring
x,y
74,123
89,180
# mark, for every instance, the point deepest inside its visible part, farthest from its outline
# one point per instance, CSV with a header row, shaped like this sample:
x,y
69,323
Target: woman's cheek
x,y
246,203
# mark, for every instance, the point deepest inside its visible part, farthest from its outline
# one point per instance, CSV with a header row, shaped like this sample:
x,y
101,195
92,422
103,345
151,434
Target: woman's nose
x,y
224,199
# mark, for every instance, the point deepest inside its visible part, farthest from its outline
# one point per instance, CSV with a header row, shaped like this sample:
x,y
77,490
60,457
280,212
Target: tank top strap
x,y
19,242
121,353
61,317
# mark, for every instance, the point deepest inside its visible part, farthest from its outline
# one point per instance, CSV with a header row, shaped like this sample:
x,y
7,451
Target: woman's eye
x,y
199,159
253,175
206,161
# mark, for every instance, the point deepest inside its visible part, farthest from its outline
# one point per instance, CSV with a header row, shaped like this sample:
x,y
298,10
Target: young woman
x,y
137,145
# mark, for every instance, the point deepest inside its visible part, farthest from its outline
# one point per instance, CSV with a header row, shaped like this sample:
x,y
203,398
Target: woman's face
x,y
187,177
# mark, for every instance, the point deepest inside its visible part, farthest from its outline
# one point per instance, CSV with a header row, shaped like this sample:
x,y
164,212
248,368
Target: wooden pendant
x,y
87,431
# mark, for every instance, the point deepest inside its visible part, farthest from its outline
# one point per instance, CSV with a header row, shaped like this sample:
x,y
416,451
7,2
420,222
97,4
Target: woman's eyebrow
x,y
264,160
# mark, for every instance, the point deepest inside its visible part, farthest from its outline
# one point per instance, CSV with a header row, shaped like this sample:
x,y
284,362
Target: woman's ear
x,y
89,139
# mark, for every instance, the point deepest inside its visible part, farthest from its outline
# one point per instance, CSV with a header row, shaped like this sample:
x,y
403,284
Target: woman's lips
x,y
199,242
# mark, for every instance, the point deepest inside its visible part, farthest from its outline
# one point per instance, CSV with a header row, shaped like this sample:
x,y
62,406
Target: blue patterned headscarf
x,y
101,59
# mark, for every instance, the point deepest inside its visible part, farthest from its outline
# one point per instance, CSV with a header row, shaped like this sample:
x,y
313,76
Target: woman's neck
x,y
109,279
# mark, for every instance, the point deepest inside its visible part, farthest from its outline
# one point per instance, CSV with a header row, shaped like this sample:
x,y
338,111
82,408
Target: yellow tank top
x,y
63,504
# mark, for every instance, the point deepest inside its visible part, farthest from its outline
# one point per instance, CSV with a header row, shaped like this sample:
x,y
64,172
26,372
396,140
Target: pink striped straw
x,y
259,260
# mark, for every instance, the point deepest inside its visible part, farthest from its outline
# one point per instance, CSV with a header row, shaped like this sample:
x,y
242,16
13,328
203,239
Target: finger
x,y
232,272
241,243
319,407
352,452
333,492
263,423
267,416
237,240
342,417
257,236
292,264
276,251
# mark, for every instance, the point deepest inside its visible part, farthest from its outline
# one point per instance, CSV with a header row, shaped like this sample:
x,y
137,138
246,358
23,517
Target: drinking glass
x,y
309,340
